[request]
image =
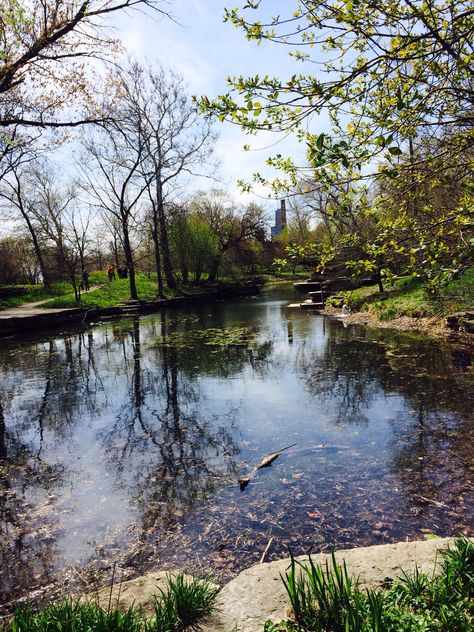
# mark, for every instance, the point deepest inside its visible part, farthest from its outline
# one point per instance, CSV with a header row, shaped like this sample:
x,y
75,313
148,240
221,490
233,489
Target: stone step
x,y
311,305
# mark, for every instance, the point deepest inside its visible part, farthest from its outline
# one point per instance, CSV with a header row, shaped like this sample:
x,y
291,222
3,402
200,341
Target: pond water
x,y
124,442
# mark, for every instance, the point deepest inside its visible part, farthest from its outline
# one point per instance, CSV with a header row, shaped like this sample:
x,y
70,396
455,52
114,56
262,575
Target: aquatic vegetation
x,y
328,599
212,337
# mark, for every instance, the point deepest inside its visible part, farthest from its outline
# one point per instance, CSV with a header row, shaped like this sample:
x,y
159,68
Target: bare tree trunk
x,y
38,252
130,264
214,269
164,241
379,280
156,244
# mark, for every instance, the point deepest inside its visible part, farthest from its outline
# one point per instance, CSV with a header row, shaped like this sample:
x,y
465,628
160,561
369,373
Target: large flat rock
x,y
257,594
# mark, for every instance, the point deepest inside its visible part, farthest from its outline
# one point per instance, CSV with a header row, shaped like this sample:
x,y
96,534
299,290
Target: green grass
x,y
35,293
185,602
74,616
111,293
328,600
108,294
408,297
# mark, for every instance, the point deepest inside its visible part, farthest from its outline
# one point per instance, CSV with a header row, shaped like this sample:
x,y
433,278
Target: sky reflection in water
x,y
125,442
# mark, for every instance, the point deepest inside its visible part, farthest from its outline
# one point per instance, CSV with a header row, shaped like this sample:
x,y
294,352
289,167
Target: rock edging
x,y
257,594
45,318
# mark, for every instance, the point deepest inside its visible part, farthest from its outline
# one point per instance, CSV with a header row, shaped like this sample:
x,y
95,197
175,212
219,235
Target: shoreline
x,y
431,326
45,318
256,593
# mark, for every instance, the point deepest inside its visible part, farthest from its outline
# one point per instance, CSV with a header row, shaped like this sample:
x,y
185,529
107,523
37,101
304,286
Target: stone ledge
x,y
257,594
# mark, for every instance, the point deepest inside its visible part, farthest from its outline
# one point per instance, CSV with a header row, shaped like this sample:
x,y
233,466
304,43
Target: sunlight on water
x,y
125,442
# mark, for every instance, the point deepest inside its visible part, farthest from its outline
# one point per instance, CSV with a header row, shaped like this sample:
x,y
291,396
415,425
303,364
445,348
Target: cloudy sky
x,y
205,50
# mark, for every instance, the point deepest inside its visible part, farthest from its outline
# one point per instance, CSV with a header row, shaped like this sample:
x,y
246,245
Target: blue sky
x,y
205,50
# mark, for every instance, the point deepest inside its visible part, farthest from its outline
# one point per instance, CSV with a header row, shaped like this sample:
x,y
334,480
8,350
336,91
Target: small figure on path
x,y
85,280
111,272
122,271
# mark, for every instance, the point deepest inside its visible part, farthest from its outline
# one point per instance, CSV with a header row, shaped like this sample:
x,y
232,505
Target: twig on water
x,y
266,550
268,460
434,502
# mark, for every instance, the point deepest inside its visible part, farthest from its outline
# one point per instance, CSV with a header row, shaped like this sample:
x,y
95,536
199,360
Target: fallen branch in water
x,y
268,460
266,550
434,502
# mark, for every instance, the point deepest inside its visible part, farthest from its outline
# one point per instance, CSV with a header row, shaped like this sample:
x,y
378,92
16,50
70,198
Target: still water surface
x,y
124,442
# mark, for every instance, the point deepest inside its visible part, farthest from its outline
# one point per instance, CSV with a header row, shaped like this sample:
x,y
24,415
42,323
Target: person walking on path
x,y
85,280
111,272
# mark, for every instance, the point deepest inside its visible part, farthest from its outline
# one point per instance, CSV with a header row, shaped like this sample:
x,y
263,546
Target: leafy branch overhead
x,y
381,102
381,70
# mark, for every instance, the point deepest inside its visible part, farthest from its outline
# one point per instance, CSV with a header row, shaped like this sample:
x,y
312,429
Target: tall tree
x,y
231,226
112,176
17,194
178,142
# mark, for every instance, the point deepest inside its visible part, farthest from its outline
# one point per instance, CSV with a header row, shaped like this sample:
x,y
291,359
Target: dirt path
x,y
34,309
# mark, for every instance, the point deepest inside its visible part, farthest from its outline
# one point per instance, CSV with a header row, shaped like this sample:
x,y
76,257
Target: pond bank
x,y
257,594
134,434
433,326
27,318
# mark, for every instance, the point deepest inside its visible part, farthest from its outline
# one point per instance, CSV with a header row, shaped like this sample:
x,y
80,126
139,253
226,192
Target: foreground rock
x,y
257,594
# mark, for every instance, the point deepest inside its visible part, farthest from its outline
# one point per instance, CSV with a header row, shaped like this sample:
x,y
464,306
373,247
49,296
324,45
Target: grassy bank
x,y
322,599
109,293
328,600
35,293
408,297
181,607
105,293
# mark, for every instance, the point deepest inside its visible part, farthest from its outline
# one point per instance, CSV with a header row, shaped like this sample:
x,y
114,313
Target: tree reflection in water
x,y
178,455
124,442
432,437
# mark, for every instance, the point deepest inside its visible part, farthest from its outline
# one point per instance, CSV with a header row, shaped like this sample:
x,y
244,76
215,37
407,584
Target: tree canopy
x,y
385,71
395,81
44,46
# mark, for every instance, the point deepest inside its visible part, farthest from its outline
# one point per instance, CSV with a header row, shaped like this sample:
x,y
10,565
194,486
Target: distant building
x,y
280,220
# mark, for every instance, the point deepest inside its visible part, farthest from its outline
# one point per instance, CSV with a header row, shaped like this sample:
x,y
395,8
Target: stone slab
x,y
257,594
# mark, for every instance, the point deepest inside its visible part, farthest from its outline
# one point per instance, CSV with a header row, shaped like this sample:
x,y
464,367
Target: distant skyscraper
x,y
280,220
